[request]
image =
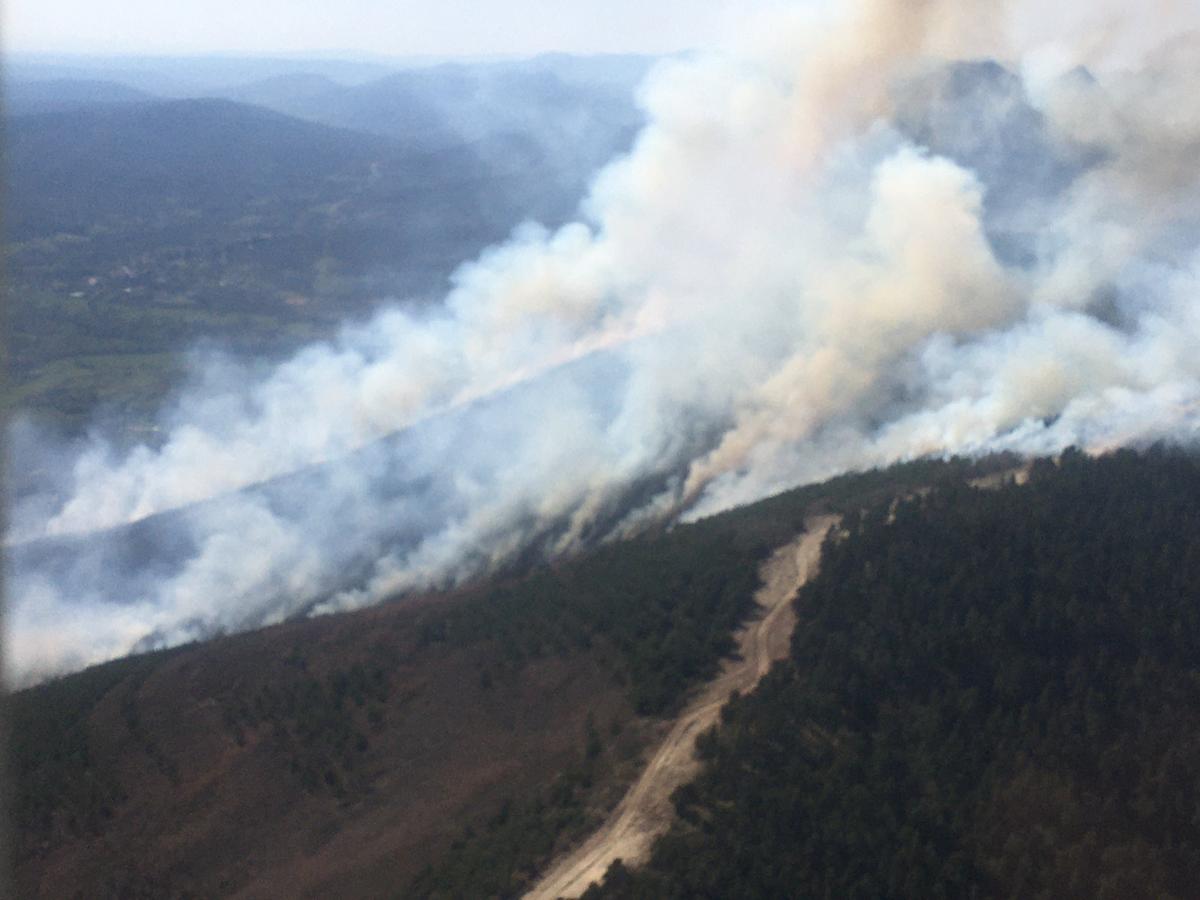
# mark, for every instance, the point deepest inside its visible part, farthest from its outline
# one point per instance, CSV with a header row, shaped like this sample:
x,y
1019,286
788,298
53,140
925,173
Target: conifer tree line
x,y
990,693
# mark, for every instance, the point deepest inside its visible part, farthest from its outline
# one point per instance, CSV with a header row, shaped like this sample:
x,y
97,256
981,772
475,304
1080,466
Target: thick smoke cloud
x,y
907,228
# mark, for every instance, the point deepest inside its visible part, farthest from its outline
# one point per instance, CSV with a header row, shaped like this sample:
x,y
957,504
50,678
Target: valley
x,y
254,217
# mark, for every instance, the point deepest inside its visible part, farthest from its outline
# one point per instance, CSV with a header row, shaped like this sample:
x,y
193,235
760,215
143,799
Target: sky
x,y
376,27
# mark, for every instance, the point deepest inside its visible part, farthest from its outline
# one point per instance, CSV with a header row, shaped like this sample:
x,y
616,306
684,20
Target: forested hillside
x,y
509,714
990,694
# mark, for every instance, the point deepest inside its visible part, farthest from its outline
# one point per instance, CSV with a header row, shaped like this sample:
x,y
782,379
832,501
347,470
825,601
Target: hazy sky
x,y
387,27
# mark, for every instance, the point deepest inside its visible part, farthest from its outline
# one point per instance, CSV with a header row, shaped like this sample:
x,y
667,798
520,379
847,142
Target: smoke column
x,y
868,234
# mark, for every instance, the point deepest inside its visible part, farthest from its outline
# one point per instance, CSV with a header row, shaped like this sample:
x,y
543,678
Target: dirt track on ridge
x,y
645,811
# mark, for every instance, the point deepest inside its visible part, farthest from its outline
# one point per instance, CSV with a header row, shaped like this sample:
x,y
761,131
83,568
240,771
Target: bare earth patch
x,y
646,810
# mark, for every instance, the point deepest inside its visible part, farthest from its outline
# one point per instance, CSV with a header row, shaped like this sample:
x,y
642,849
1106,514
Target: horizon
x,y
200,71
315,55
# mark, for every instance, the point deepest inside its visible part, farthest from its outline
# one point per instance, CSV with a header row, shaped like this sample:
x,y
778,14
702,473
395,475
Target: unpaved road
x,y
646,811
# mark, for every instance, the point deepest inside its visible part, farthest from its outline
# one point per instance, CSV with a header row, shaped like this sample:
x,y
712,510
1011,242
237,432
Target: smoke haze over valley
x,y
871,233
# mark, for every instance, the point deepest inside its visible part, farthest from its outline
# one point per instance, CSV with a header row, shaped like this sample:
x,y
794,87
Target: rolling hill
x,y
453,742
989,694
22,98
88,169
138,228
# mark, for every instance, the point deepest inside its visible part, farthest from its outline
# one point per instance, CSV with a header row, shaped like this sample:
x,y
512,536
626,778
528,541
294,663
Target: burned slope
x,y
467,736
351,749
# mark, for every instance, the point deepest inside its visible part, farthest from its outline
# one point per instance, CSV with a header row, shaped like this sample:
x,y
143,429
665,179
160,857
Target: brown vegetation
x,y
313,759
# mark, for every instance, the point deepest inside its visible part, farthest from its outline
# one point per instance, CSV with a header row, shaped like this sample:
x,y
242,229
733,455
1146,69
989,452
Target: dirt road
x,y
646,811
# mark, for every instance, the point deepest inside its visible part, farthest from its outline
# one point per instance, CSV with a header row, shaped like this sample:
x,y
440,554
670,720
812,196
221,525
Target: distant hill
x,y
188,76
571,114
264,217
61,94
388,107
412,99
233,205
474,100
135,229
82,169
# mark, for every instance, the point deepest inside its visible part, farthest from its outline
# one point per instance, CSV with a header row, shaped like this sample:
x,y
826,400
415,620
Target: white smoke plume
x,y
884,230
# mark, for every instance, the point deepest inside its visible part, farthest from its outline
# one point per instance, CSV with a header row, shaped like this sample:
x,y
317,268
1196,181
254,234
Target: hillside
x,y
81,169
22,98
645,811
576,113
187,76
387,512
459,739
136,229
989,691
990,694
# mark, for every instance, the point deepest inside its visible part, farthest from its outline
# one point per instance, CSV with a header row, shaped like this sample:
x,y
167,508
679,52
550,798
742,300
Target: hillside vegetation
x,y
135,230
990,694
137,226
458,740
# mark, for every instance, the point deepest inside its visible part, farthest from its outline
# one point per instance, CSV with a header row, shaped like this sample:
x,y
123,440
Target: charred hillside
x,y
458,739
990,691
